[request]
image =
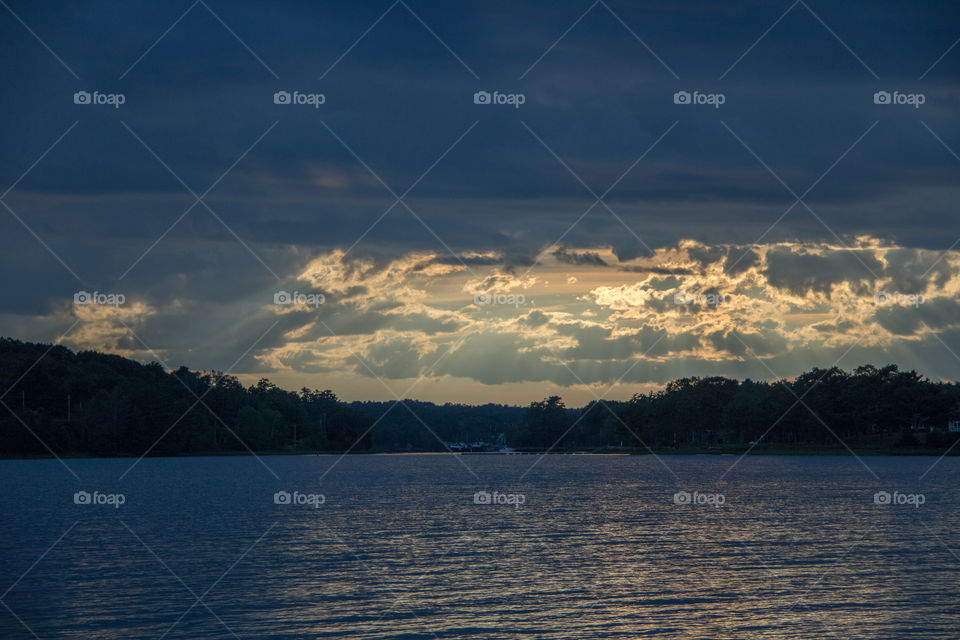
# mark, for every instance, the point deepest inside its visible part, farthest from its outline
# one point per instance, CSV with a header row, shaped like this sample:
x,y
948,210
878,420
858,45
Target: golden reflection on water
x,y
599,549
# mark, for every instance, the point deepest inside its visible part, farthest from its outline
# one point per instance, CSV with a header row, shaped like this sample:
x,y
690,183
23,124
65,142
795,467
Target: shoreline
x,y
740,451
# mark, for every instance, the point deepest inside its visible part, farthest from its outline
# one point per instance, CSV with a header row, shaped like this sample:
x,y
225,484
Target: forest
x,y
56,401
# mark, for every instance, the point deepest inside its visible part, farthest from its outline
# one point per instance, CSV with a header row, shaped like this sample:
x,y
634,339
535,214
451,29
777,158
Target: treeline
x,y
823,407
425,426
106,405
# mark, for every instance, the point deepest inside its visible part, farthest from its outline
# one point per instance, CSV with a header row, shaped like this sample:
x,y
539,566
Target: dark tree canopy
x,y
106,405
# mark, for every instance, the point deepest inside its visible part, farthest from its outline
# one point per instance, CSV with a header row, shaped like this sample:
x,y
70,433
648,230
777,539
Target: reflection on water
x,y
599,548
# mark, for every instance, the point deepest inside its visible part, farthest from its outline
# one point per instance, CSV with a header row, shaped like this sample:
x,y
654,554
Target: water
x,y
598,549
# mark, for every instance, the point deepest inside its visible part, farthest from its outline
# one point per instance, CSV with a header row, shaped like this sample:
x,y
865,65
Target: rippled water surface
x,y
781,547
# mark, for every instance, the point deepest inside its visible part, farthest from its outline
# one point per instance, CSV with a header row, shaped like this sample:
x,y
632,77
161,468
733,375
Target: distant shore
x,y
759,450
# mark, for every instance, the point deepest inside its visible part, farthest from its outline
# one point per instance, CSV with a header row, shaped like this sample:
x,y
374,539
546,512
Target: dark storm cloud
x,y
800,272
578,257
741,260
200,99
906,319
598,343
679,271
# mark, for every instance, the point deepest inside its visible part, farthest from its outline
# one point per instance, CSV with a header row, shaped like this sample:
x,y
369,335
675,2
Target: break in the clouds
x,y
492,198
482,330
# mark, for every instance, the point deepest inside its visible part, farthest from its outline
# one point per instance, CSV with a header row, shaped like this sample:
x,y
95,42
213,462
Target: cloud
x,y
582,258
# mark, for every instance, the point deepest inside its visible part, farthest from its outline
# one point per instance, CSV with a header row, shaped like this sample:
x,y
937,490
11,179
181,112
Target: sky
x,y
484,201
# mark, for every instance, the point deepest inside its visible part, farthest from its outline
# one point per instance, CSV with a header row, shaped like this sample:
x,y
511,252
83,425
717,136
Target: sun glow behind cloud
x,y
475,328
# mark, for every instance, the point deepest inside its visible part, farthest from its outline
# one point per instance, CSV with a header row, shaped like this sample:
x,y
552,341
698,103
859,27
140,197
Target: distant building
x,y
953,426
